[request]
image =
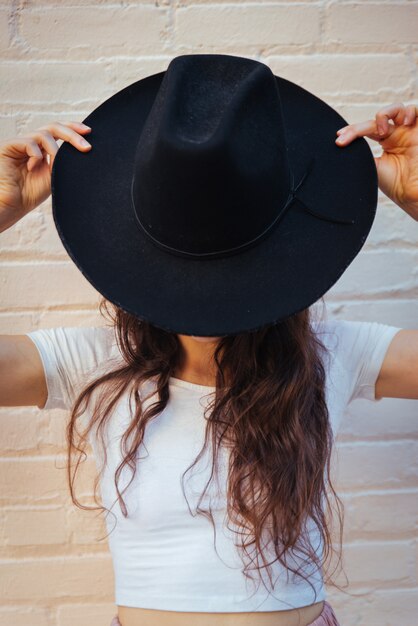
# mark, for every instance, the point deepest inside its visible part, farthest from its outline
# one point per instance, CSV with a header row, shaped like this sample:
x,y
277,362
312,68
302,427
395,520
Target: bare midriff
x,y
303,616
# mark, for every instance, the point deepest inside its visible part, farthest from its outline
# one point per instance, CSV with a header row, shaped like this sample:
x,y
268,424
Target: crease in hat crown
x,y
211,170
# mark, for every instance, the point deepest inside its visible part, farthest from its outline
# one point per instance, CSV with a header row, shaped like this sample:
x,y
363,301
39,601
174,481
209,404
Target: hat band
x,y
249,244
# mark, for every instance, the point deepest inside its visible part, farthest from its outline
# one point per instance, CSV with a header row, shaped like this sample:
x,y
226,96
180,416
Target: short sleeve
x,y
361,348
71,356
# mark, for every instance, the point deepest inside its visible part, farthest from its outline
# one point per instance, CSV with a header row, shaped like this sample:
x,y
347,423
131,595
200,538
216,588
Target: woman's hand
x,y
25,173
397,167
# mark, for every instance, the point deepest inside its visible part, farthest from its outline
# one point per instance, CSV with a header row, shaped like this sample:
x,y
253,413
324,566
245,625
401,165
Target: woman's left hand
x,y
397,167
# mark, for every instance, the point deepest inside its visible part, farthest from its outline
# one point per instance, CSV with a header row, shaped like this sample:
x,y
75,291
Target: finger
x,y
23,146
78,128
395,112
46,147
76,125
20,148
37,145
411,112
363,129
46,136
34,152
35,160
65,131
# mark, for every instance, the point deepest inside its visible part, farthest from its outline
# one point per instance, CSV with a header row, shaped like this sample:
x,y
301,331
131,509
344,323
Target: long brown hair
x,y
269,411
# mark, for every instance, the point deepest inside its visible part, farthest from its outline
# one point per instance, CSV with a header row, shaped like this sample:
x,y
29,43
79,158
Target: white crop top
x,y
164,556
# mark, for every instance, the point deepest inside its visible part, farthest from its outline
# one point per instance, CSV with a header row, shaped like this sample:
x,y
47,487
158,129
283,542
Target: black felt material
x,y
184,212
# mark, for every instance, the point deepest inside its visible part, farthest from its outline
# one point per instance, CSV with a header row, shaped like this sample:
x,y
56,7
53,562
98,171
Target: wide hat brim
x,y
288,271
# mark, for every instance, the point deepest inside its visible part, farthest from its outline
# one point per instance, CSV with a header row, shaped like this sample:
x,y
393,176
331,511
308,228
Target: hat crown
x,y
211,170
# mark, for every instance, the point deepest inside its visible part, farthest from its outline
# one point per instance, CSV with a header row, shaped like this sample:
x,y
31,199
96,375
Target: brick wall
x,y
59,60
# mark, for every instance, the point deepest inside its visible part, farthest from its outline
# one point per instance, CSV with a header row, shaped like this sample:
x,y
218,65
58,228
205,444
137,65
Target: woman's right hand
x,y
25,173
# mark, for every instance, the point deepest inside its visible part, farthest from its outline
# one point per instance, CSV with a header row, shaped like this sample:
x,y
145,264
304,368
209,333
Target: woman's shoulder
x,y
74,355
357,349
86,341
342,334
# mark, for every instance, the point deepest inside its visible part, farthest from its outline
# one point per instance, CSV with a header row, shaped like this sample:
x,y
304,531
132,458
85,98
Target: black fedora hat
x,y
214,199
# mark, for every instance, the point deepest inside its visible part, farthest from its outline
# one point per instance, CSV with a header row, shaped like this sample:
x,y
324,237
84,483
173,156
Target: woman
x,y
169,568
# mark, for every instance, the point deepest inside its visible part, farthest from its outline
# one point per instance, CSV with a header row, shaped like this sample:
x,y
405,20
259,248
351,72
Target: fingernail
x,y
83,142
341,138
85,125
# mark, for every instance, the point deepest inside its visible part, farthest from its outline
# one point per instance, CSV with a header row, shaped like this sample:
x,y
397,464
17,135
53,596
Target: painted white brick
x,y
375,515
85,614
7,126
382,607
355,112
373,465
398,311
23,429
372,22
33,284
232,25
124,70
67,576
33,527
390,418
98,3
381,75
57,82
129,28
4,30
25,321
392,226
183,3
365,273
34,237
87,527
379,564
22,616
40,480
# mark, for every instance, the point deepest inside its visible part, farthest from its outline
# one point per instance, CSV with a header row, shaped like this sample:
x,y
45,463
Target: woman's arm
x,y
398,377
25,182
22,378
397,170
